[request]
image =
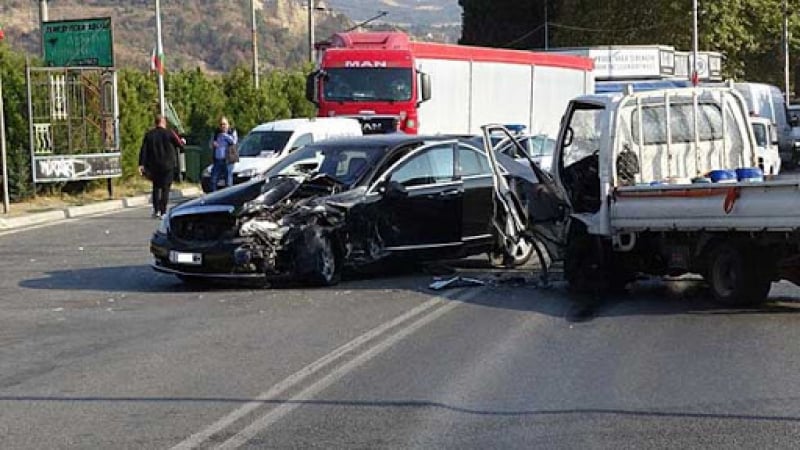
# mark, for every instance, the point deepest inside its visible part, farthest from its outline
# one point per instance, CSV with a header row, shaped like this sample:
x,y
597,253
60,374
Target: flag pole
x,y
159,53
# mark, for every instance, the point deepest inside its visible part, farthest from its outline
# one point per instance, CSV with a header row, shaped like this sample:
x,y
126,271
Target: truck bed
x,y
764,206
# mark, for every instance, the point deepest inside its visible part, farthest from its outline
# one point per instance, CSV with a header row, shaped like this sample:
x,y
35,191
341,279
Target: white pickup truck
x,y
630,194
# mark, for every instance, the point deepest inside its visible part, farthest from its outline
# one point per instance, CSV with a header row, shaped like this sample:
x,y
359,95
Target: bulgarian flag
x,y
2,33
157,61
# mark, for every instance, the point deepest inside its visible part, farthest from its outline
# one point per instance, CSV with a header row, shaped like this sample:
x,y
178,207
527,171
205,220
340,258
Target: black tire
x,y
326,271
732,280
589,266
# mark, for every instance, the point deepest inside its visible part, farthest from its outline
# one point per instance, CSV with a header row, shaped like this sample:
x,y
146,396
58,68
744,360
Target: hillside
x,y
214,35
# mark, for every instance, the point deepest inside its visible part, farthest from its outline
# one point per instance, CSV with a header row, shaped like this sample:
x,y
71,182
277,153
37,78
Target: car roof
x,y
384,140
294,124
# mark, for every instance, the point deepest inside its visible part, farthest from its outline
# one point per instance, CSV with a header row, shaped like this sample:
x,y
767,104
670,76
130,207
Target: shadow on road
x,y
516,289
408,404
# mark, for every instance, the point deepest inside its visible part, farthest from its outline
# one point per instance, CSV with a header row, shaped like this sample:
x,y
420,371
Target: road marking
x,y
201,437
276,414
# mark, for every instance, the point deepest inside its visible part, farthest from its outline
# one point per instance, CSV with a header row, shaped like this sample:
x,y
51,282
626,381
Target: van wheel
x,y
732,280
326,270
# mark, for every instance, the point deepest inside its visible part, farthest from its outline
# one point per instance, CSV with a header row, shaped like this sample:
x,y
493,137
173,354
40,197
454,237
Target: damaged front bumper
x,y
223,259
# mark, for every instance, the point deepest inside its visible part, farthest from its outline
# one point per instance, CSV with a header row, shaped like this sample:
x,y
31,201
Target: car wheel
x,y
732,280
326,270
514,256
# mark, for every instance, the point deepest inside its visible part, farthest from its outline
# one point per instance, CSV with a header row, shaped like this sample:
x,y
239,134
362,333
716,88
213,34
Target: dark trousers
x,y
162,182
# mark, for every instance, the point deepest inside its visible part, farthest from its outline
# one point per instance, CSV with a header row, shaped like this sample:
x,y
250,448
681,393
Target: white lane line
x,y
262,423
199,438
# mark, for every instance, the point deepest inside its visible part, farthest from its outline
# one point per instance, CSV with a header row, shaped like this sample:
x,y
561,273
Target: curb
x,y
92,208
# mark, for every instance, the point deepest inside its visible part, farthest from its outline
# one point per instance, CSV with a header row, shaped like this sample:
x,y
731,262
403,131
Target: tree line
x,y
198,98
749,33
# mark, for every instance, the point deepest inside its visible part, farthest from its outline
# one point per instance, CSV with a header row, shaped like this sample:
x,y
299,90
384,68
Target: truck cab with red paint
x,y
371,76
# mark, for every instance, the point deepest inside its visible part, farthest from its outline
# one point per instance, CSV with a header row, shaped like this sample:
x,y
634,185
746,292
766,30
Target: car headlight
x,y
163,226
206,172
248,173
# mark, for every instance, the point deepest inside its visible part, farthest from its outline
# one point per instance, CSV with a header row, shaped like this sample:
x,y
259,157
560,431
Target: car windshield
x,y
258,143
368,84
347,164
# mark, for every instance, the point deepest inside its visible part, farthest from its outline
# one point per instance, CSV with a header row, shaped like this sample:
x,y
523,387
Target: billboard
x,y
78,43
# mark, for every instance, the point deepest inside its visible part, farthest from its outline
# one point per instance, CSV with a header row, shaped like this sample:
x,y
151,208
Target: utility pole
x,y
3,150
311,30
43,17
786,49
255,43
546,27
159,53
695,44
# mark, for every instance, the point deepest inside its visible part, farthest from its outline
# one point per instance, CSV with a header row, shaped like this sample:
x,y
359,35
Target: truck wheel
x,y
582,265
326,264
732,280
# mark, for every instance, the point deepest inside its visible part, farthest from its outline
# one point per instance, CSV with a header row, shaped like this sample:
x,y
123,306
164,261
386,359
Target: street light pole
x,y
43,17
546,28
159,52
255,43
311,30
695,44
786,49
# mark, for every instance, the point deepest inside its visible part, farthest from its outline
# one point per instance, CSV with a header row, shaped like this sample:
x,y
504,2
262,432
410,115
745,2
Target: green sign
x,y
81,42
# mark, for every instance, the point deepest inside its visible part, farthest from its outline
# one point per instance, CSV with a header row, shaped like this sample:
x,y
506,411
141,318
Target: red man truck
x,y
391,83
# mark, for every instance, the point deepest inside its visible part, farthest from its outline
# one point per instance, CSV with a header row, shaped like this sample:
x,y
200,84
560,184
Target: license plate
x,y
194,259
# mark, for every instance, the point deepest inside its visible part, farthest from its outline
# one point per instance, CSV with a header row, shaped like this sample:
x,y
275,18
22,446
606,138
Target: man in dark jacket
x,y
157,162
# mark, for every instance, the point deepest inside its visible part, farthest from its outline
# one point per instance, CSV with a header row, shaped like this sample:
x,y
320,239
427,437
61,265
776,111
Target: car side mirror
x,y
311,87
392,190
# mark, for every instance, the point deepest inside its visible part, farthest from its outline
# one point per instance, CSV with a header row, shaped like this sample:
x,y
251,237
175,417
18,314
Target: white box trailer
x,y
473,86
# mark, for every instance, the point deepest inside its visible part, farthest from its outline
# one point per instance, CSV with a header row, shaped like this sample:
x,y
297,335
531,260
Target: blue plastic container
x,y
750,175
723,176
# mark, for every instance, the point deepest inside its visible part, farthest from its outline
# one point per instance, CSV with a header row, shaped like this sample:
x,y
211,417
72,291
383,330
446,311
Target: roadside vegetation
x,y
198,98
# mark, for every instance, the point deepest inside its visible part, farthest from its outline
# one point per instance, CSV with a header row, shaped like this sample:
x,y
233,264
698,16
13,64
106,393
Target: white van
x,y
764,100
769,159
267,143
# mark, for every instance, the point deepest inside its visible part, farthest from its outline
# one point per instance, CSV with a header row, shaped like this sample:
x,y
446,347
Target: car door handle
x,y
449,193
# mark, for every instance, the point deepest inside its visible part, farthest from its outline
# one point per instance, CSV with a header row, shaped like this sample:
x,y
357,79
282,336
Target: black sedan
x,y
342,203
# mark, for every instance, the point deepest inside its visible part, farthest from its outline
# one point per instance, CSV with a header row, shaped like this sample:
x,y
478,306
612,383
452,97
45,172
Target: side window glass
x,y
302,141
471,162
434,165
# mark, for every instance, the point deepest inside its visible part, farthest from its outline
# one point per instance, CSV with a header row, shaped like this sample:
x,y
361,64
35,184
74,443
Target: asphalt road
x,y
99,351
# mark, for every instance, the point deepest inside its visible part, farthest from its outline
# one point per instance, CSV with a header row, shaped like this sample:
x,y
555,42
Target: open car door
x,y
527,206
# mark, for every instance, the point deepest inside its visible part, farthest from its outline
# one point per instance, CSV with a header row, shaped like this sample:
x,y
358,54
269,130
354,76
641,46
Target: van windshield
x,y
262,143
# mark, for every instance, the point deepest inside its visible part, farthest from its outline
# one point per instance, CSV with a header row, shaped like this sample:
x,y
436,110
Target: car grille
x,y
203,227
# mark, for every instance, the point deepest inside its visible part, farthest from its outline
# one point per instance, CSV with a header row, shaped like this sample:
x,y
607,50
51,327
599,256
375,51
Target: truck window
x,y
580,162
368,84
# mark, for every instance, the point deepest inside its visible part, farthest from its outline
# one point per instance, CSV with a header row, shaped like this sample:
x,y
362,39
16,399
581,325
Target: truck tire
x,y
732,280
589,266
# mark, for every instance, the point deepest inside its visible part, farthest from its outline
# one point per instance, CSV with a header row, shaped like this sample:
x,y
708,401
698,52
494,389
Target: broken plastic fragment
x,y
456,281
